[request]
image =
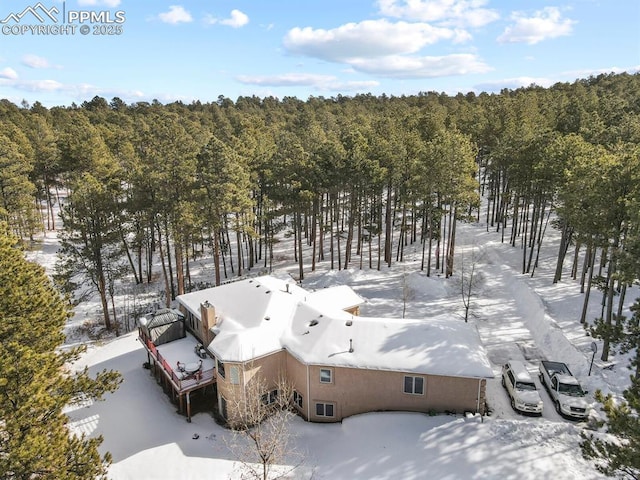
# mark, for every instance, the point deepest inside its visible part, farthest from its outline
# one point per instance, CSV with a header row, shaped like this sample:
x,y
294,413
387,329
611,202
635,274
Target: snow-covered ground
x,y
517,316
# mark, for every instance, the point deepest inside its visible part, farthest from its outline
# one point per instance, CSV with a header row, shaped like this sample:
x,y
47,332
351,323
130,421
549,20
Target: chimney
x,y
207,322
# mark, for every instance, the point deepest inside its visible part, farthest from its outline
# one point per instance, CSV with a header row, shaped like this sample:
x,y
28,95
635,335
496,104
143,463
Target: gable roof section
x,y
263,315
159,318
251,315
434,346
340,297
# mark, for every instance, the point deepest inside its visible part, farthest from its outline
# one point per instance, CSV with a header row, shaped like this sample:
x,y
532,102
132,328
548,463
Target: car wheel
x,y
504,384
558,408
513,404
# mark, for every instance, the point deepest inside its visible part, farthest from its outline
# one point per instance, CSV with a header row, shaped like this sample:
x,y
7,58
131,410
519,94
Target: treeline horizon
x,y
354,180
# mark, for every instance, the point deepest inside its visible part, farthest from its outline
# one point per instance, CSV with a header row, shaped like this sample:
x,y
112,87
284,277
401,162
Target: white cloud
x,y
176,14
8,73
106,3
588,73
463,13
237,20
385,48
285,79
514,83
544,24
397,66
319,82
34,61
41,85
367,39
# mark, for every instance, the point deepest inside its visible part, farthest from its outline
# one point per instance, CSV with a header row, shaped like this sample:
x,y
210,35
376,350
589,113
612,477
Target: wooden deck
x,y
181,381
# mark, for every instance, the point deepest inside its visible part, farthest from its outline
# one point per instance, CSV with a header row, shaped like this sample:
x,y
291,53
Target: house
x,y
337,363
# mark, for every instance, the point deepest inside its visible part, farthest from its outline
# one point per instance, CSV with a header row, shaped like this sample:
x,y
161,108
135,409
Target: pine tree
x,y
618,452
16,190
35,381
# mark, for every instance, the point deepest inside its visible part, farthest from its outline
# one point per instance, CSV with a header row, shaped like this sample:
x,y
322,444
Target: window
x,y
220,368
297,399
325,375
234,375
324,409
414,385
270,397
223,407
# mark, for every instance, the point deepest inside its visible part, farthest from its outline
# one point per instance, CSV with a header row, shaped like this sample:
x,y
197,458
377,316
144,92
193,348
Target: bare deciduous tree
x,y
407,292
260,419
471,279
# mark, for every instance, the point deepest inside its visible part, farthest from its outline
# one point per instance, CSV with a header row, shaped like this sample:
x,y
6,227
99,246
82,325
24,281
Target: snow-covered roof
x,y
251,315
160,317
435,346
259,316
341,297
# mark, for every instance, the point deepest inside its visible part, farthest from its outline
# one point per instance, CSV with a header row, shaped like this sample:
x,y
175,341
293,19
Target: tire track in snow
x,y
516,325
544,333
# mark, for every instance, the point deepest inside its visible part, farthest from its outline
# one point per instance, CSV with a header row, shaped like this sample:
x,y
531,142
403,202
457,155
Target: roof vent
x,y
349,323
313,323
267,318
350,345
268,291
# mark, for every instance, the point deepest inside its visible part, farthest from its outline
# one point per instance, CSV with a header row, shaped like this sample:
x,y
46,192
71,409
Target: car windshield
x,y
571,389
525,386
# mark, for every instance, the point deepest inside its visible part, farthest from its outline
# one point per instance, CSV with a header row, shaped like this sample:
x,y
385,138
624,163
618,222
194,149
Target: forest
x,y
354,181
136,193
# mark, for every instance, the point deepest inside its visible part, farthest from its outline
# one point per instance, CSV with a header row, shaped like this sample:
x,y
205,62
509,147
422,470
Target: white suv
x,y
520,388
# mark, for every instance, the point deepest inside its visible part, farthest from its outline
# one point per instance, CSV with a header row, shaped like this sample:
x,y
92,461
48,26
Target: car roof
x,y
520,371
567,379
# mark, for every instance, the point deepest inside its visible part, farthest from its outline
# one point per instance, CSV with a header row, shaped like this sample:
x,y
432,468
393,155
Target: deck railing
x,y
181,380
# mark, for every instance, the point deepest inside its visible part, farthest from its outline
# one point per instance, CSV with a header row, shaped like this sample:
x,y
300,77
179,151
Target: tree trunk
x,y
167,288
610,291
585,264
565,241
179,267
585,304
102,290
168,249
300,260
126,249
216,255
452,242
388,226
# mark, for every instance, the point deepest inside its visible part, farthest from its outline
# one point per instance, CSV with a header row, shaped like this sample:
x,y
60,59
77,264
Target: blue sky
x,y
199,50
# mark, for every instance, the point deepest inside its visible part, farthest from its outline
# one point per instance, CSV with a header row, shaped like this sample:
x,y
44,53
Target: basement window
x,y
324,409
270,397
414,385
297,399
